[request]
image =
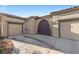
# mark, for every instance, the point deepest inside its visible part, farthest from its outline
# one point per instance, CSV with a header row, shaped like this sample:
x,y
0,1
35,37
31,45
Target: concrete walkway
x,y
33,44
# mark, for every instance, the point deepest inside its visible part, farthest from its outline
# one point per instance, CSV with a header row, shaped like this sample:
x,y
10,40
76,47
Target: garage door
x,y
69,29
14,29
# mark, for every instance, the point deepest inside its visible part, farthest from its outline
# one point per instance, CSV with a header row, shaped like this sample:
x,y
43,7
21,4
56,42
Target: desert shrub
x,y
1,50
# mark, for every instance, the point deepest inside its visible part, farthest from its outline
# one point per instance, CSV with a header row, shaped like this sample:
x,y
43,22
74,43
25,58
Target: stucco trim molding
x,y
13,16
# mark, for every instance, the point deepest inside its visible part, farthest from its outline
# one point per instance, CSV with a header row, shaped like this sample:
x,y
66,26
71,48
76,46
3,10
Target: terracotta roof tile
x,y
64,10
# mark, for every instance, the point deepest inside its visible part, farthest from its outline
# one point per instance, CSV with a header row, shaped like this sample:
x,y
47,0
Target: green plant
x,y
1,50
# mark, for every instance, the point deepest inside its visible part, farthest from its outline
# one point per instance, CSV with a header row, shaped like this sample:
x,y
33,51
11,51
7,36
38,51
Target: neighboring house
x,y
11,24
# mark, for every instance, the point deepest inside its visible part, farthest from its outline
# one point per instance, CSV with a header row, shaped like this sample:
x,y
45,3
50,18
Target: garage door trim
x,y
66,20
13,23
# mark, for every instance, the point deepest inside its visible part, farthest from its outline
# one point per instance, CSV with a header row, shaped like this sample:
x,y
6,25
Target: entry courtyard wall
x,y
32,24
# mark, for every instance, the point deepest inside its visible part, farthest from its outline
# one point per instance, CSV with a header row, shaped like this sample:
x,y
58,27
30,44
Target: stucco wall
x,y
10,19
27,27
55,26
65,16
25,30
0,14
30,26
4,28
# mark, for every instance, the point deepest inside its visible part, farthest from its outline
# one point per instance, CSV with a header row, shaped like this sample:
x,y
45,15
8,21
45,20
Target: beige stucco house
x,y
62,24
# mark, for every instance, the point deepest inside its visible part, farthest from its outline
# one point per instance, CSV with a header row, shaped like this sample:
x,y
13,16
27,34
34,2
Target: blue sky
x,y
31,10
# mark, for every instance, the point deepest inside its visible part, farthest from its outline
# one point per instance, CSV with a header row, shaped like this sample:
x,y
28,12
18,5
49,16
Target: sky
x,y
32,10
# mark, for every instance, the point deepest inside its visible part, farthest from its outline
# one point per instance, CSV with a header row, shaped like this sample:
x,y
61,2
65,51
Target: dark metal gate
x,y
43,28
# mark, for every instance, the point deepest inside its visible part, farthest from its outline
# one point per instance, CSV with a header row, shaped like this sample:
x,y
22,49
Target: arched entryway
x,y
44,28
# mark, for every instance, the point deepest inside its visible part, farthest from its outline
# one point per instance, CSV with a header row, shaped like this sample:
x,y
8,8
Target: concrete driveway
x,y
33,44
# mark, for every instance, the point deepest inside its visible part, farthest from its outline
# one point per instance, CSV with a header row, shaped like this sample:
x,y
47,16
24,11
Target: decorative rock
x,y
6,46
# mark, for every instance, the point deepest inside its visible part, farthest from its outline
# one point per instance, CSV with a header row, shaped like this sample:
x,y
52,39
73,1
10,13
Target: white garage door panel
x,y
69,30
15,29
